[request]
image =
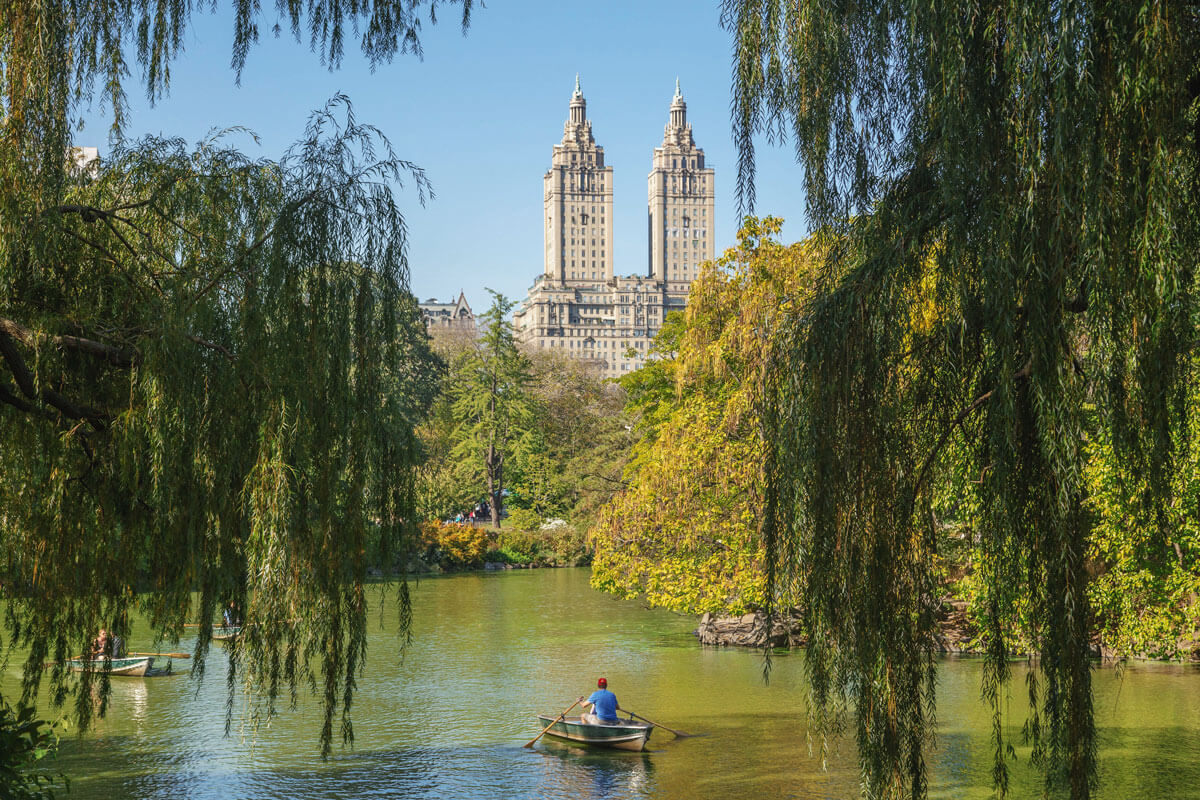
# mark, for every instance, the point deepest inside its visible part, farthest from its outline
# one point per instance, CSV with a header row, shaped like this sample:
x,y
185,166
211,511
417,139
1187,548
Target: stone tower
x,y
580,306
681,203
578,204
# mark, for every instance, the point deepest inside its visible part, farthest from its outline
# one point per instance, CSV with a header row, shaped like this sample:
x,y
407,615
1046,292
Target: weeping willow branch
x,y
1007,183
266,399
958,420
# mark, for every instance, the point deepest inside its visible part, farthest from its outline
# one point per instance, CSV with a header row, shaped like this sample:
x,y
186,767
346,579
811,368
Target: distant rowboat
x,y
133,667
625,734
223,633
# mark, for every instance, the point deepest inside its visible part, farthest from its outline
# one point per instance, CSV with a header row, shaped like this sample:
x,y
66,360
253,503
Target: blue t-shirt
x,y
605,705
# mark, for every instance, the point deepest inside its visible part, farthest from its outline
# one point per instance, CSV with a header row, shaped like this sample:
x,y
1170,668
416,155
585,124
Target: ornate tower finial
x,y
678,109
578,104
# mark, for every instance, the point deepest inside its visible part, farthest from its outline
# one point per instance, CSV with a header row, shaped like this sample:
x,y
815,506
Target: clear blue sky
x,y
481,113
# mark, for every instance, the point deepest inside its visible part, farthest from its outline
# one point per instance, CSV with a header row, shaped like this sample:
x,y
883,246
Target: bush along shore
x,y
462,547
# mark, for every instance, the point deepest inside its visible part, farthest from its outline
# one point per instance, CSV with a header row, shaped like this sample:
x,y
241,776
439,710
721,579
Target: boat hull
x,y
128,667
626,735
224,633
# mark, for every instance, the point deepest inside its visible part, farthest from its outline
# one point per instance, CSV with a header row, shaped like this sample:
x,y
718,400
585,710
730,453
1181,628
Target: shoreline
x,y
955,635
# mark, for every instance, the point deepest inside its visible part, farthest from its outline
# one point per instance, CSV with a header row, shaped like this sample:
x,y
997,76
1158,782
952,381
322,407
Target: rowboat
x,y
224,633
624,734
133,667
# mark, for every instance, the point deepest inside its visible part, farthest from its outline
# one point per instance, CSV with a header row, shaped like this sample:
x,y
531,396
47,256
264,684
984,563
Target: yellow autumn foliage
x,y
684,534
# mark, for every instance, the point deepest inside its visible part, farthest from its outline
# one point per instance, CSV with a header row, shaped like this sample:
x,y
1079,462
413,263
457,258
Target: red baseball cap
x,y
602,683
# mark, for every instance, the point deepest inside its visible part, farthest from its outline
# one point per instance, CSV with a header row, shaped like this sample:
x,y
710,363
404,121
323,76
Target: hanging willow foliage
x,y
210,367
1013,186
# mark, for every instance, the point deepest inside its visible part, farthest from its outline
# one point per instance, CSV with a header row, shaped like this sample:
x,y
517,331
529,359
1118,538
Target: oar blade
x,y
678,734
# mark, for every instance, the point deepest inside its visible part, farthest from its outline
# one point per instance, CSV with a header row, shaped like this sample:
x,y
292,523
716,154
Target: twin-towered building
x,y
578,305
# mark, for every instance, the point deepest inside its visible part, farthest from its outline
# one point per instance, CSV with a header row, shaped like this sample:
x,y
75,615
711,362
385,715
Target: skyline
x,y
481,114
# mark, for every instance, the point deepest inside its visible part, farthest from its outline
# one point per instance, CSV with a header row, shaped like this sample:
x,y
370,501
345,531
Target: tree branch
x,y
7,396
113,355
25,382
626,484
214,346
976,404
98,419
16,364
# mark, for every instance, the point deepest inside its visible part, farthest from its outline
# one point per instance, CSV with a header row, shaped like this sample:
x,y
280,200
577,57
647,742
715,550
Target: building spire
x,y
578,104
678,109
678,94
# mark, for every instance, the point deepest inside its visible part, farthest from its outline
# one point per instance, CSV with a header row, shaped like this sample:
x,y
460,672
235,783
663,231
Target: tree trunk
x,y
498,492
490,468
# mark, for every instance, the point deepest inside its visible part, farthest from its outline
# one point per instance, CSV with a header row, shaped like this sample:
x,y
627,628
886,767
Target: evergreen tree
x,y
492,402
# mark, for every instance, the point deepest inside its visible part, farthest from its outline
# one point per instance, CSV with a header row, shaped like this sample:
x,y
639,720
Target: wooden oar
x,y
680,734
164,655
552,724
64,661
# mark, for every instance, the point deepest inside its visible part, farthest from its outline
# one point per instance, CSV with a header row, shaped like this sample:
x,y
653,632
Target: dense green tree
x,y
684,534
570,443
446,484
207,363
492,405
1012,188
1146,592
580,439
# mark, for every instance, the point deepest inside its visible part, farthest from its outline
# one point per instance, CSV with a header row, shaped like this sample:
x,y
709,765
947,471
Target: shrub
x,y
454,545
523,546
25,741
523,519
567,546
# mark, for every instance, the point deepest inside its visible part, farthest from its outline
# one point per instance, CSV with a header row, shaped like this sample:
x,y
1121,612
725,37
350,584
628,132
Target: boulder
x,y
749,630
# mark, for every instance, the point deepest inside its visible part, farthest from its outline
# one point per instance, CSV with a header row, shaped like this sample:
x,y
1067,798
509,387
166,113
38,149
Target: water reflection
x,y
133,696
575,771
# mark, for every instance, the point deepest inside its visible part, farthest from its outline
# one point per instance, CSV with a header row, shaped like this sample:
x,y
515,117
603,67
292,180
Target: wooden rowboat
x,y
624,734
133,667
222,633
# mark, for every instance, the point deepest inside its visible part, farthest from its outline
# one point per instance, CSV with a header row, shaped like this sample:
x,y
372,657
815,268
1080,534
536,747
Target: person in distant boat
x,y
230,618
100,643
604,706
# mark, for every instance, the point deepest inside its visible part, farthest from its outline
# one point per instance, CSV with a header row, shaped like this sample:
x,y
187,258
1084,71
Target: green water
x,y
492,650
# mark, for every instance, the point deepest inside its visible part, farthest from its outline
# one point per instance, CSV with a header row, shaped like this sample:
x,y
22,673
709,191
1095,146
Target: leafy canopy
x,y
209,365
684,533
1027,171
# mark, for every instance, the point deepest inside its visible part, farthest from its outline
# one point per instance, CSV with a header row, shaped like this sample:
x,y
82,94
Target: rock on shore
x,y
750,630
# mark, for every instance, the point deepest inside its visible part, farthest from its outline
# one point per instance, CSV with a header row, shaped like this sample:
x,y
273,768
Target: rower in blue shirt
x,y
604,706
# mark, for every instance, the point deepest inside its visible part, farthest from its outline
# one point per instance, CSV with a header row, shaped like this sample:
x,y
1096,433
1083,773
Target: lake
x,y
491,650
